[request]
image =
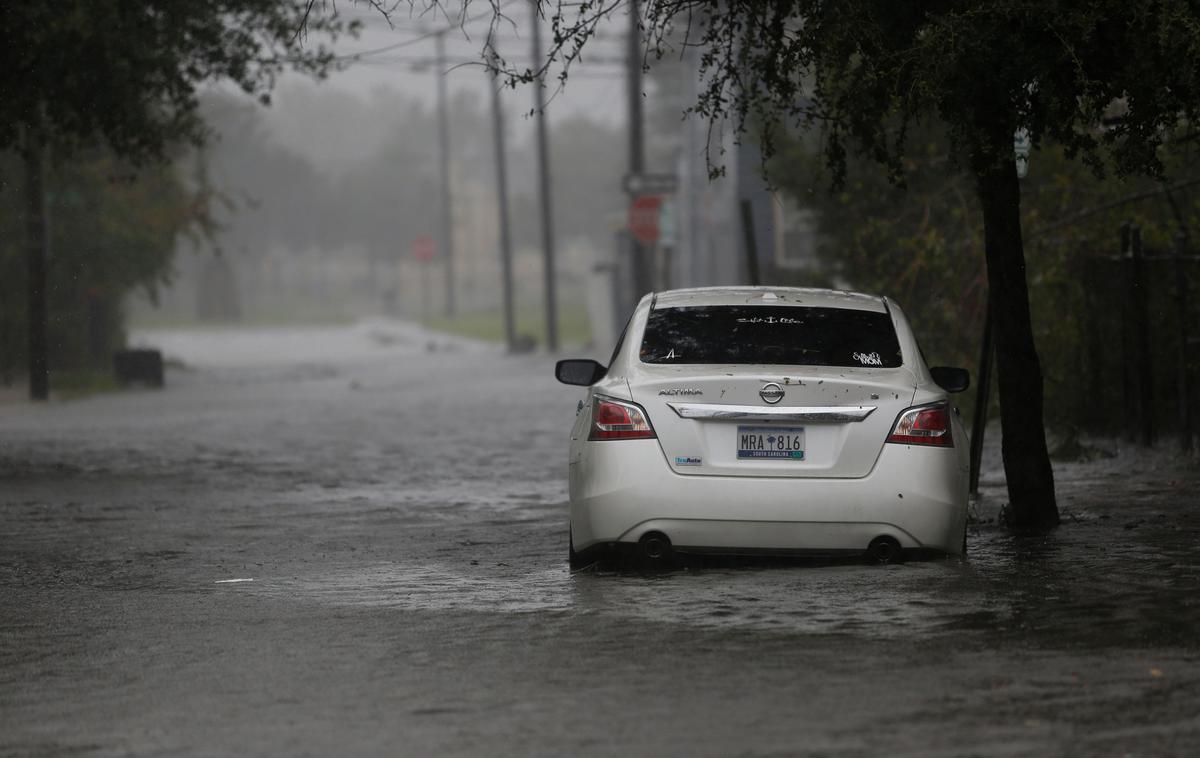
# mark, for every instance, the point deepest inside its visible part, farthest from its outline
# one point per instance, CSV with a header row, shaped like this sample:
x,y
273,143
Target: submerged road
x,y
351,541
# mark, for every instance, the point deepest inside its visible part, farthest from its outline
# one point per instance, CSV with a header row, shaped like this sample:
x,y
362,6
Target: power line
x,y
428,60
418,64
502,32
427,35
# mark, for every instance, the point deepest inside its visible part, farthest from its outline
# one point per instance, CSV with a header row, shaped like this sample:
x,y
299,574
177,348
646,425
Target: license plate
x,y
770,443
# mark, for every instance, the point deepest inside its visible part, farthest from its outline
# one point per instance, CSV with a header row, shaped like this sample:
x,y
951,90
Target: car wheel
x,y
885,550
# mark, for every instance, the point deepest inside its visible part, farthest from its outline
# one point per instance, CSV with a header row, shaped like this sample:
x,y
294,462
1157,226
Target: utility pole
x,y
506,276
688,215
637,151
38,242
750,242
447,241
543,159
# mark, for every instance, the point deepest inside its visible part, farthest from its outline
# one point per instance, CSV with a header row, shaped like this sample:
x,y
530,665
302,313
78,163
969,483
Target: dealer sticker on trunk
x,y
770,443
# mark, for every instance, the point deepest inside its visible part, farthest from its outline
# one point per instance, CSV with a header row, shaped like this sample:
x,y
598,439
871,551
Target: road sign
x,y
650,184
643,218
666,223
1021,147
423,248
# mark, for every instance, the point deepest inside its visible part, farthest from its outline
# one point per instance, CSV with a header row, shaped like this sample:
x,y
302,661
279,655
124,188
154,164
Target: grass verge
x,y
574,328
79,383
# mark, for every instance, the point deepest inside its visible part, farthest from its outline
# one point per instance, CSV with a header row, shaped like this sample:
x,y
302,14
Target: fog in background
x,y
319,197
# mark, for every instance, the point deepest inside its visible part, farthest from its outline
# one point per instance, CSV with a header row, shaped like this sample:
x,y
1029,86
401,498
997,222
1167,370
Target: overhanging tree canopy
x,y
125,74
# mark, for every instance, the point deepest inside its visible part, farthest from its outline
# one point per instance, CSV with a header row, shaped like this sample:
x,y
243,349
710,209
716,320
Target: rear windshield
x,y
791,335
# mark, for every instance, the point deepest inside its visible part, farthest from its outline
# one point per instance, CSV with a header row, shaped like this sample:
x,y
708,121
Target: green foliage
x,y
113,228
80,383
922,246
574,326
870,71
107,85
125,74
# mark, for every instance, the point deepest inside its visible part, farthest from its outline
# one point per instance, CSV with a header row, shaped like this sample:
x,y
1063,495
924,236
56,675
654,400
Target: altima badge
x,y
680,391
771,393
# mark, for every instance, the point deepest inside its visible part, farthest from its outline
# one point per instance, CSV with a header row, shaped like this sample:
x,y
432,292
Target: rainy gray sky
x,y
399,60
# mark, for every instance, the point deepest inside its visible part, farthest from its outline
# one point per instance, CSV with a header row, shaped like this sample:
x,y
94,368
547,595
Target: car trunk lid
x,y
773,421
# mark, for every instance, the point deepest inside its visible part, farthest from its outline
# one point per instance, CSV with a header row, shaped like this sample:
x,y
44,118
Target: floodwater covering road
x,y
351,541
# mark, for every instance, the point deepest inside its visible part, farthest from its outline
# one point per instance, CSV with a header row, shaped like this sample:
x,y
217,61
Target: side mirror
x,y
951,379
581,371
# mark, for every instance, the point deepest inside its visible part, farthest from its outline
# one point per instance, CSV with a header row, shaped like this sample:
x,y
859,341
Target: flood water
x,y
352,540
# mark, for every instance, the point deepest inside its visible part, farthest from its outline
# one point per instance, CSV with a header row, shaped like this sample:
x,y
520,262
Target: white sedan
x,y
766,420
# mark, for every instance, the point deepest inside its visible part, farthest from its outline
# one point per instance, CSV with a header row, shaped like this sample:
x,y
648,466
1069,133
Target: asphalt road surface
x,y
344,542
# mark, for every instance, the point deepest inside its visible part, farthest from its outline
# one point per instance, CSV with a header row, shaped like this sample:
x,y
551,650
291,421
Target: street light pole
x,y
543,160
443,118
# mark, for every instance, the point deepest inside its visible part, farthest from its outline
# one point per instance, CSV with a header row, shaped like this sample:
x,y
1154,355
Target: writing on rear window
x,y
771,335
768,320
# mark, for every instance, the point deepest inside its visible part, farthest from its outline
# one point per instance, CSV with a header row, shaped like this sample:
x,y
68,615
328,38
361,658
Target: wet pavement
x,y
352,541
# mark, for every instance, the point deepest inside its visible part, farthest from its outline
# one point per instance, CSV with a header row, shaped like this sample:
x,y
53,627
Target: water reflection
x,y
877,601
864,600
1058,589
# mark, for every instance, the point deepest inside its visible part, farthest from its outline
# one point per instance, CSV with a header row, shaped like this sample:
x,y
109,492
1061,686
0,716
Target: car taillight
x,y
923,425
618,420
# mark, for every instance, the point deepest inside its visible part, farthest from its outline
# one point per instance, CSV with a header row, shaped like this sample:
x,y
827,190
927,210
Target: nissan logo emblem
x,y
771,393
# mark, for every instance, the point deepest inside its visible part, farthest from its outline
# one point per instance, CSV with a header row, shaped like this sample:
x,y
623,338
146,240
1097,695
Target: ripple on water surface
x,y
1057,589
876,601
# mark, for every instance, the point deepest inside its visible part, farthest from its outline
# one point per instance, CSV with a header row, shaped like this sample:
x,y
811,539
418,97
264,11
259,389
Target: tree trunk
x,y
36,240
1026,460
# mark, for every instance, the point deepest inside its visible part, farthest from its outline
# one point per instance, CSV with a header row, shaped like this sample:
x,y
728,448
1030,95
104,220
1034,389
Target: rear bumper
x,y
622,490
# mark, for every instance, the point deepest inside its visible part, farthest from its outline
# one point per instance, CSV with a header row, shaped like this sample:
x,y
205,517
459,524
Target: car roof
x,y
812,297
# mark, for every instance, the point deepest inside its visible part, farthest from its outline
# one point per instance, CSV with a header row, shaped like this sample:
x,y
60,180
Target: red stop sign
x,y
643,217
423,248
